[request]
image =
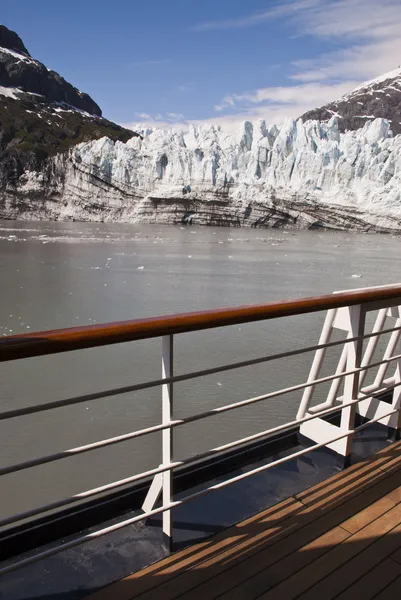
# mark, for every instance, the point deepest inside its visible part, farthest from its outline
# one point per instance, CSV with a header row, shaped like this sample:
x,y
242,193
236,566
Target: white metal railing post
x,y
396,401
167,435
351,382
317,363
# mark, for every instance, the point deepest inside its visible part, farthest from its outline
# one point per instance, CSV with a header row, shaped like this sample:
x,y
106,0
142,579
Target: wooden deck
x,y
340,539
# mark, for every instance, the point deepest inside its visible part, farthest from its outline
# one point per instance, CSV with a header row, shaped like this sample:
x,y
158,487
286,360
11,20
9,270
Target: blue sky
x,y
222,60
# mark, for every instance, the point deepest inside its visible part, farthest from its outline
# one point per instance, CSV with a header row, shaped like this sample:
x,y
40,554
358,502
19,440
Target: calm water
x,y
68,274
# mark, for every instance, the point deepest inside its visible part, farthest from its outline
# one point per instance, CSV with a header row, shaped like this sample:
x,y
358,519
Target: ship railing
x,y
346,311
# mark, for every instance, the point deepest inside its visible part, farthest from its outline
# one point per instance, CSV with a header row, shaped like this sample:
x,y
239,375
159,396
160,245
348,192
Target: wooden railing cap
x,y
78,338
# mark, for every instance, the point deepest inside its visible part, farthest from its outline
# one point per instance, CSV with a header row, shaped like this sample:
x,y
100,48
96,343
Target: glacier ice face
x,y
302,174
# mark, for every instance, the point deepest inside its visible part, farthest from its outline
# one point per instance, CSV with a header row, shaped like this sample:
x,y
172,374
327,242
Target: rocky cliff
x,y
41,114
378,98
19,70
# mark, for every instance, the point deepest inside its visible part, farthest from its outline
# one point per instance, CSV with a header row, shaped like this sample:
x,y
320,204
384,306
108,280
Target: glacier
x,y
301,174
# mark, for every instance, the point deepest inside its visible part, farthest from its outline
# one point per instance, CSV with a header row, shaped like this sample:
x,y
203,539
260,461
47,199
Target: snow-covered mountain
x,y
41,114
307,173
24,75
380,97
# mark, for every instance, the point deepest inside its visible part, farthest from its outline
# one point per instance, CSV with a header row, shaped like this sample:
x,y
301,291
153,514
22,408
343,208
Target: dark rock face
x,y
19,70
32,130
380,97
12,41
41,113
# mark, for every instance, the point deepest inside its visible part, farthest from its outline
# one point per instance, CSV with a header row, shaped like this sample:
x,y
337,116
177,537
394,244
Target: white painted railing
x,y
347,313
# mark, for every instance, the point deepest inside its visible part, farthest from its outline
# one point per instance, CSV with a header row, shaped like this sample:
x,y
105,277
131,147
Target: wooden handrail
x,y
78,338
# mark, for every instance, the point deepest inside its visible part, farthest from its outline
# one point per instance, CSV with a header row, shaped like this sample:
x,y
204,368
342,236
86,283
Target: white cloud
x,y
371,45
363,61
158,120
143,115
280,10
366,31
294,94
147,124
350,18
186,87
230,123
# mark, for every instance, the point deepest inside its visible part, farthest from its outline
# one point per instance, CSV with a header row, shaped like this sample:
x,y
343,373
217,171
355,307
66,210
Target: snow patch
x,y
10,92
62,107
17,55
382,78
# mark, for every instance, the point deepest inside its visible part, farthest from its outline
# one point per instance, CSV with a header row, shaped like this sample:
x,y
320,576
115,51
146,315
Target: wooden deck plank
x,y
338,510
393,464
211,578
391,592
268,578
190,557
339,580
373,582
307,555
237,562
395,495
302,580
391,455
368,514
397,556
384,456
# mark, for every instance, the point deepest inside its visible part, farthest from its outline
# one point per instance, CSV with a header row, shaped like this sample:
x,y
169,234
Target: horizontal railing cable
x,y
29,410
161,469
219,410
52,342
117,526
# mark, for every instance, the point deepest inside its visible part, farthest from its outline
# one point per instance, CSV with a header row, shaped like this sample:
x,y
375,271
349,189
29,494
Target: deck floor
x,y
340,539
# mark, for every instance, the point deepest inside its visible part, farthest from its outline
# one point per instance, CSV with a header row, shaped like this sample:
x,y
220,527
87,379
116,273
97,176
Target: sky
x,y
168,63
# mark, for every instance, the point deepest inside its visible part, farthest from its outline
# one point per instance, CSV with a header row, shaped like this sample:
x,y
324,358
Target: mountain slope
x,y
41,114
378,98
19,70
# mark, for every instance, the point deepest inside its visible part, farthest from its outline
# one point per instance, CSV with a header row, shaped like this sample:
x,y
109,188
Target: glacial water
x,y
57,275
